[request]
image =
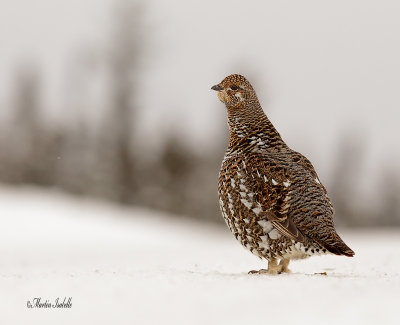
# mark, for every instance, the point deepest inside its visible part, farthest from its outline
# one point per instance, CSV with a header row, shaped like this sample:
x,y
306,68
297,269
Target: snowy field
x,y
131,266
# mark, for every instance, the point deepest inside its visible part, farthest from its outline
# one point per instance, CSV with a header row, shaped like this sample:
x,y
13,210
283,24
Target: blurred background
x,y
111,99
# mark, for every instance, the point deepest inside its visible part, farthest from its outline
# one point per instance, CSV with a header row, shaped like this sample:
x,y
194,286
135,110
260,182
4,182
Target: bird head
x,y
234,90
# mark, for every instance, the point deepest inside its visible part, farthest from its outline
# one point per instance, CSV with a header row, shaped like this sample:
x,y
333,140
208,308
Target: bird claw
x,y
262,271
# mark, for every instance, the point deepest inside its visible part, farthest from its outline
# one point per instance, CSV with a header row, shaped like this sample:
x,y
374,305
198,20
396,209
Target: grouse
x,y
270,195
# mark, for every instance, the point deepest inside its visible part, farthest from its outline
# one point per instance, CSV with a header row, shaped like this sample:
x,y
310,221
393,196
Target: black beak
x,y
217,88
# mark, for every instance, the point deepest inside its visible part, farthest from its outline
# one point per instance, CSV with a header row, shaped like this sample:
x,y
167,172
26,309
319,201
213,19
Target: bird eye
x,y
234,87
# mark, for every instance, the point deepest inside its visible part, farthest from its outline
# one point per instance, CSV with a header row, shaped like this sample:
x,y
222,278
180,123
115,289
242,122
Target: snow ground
x,y
131,266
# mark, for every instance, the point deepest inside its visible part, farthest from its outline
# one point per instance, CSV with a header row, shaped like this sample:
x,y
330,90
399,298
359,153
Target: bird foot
x,y
274,268
264,271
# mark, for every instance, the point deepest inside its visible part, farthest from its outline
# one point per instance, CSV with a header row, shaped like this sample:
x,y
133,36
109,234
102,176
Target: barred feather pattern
x,y
270,195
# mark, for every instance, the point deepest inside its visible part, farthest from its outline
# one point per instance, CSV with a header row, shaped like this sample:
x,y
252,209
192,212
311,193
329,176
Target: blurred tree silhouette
x,y
118,125
344,185
388,213
30,149
183,181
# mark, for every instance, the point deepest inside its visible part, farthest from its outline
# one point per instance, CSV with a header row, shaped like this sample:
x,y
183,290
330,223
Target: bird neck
x,y
251,130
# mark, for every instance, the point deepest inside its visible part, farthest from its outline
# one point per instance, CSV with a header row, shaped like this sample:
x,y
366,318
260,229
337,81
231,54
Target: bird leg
x,y
284,263
273,268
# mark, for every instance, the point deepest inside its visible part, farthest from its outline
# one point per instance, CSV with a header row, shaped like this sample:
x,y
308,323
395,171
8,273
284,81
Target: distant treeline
x,y
106,161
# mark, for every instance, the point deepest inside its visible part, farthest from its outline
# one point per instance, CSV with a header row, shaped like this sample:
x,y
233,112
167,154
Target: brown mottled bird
x,y
270,195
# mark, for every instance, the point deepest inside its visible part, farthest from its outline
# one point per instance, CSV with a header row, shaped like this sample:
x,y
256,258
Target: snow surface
x,y
131,266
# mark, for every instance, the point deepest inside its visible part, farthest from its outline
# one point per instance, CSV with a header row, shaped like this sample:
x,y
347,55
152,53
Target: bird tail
x,y
338,247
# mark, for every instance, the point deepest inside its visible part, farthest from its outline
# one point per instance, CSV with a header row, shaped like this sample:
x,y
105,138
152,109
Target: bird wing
x,y
283,192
